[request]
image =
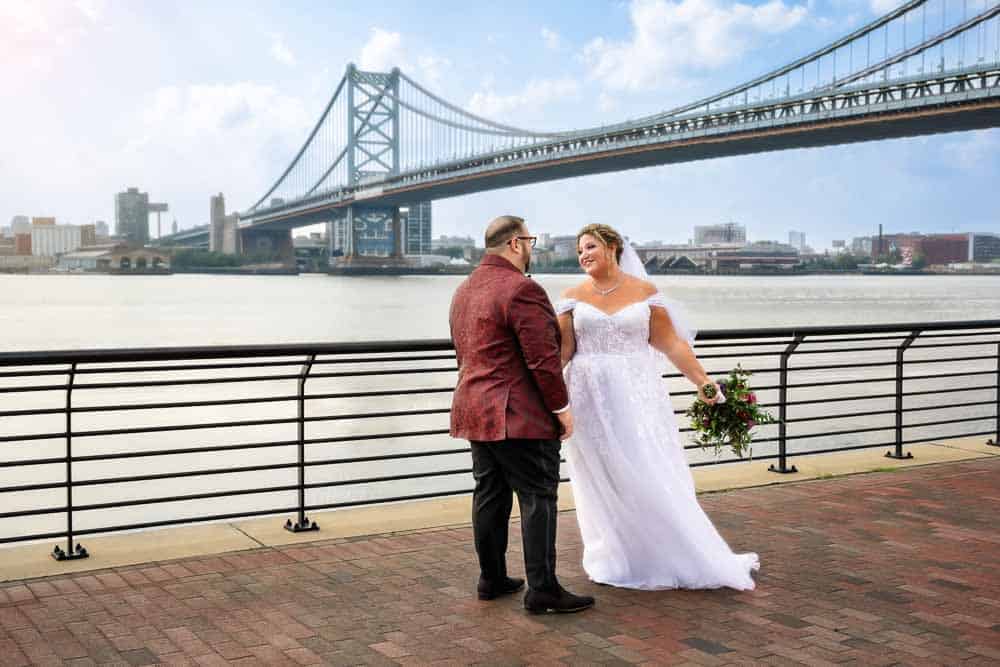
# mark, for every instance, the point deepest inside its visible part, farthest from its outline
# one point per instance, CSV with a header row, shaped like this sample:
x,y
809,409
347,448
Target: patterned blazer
x,y
507,341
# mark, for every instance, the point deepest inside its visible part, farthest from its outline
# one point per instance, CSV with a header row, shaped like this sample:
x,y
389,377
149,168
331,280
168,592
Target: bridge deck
x,y
877,569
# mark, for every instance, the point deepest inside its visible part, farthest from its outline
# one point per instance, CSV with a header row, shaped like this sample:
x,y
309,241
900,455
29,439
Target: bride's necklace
x,y
605,292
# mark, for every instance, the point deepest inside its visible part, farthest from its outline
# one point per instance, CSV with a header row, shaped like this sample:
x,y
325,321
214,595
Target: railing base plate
x,y
893,455
992,442
301,527
76,554
784,471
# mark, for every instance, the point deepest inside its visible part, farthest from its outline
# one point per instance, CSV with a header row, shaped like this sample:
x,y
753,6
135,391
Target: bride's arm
x,y
664,338
568,338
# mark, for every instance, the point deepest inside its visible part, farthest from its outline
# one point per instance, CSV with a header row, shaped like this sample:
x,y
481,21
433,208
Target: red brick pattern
x,y
882,569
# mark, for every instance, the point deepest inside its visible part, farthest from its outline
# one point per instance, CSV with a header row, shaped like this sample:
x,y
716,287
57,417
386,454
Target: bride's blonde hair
x,y
606,236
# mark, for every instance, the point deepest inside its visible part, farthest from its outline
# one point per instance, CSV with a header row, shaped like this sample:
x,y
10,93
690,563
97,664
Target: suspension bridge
x,y
384,142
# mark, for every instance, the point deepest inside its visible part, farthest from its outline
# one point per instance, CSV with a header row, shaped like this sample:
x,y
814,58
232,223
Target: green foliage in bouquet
x,y
729,423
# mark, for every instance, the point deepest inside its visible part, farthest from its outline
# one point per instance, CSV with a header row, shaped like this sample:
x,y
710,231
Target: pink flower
x,y
752,398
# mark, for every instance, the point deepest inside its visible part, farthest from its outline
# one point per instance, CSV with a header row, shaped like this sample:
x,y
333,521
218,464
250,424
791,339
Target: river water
x,y
60,312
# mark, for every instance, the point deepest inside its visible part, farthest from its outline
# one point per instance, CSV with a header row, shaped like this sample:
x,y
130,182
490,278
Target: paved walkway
x,y
877,569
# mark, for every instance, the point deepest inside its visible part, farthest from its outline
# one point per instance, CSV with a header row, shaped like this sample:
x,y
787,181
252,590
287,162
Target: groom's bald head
x,y
501,230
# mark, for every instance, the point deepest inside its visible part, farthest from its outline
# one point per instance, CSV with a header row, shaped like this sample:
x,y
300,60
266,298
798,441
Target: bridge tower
x,y
372,155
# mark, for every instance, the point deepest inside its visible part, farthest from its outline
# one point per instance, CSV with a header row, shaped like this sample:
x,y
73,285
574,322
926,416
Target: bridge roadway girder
x,y
812,133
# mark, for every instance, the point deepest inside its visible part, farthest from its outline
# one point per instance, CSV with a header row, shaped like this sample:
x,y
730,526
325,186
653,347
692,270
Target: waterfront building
x,y
20,224
223,230
88,235
563,247
417,227
728,233
22,244
132,216
54,240
797,240
453,242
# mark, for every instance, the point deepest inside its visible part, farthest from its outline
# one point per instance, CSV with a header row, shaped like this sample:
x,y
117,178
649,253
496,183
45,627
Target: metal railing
x,y
105,441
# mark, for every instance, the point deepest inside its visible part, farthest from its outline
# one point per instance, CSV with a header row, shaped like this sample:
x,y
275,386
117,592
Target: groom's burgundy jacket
x,y
507,341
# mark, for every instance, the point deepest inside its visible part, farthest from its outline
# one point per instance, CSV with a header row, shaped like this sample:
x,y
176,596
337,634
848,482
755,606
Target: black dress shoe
x,y
489,590
556,601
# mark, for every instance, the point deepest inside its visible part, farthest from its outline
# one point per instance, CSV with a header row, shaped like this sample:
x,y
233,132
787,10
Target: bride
x,y
640,520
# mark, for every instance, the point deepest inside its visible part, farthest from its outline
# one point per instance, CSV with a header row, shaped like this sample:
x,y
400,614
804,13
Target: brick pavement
x,y
896,568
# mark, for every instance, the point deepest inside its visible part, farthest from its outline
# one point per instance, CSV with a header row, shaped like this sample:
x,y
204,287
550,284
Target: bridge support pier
x,y
274,243
372,237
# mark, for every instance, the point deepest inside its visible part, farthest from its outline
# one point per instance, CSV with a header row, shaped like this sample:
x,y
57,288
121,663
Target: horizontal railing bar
x,y
227,471
387,457
211,425
214,403
185,450
387,392
220,352
377,415
971,343
858,397
410,346
226,380
889,411
375,436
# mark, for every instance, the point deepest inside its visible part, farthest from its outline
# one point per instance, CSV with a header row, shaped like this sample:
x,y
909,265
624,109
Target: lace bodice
x,y
623,332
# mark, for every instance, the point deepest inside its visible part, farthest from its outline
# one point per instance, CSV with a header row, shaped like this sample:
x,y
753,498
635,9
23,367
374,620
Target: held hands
x,y
565,424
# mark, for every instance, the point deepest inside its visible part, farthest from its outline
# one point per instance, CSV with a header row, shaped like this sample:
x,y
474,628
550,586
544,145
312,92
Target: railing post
x,y
782,466
995,440
73,551
897,453
303,524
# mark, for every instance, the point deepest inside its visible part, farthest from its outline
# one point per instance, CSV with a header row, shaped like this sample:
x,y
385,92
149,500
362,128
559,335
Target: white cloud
x,y
671,38
883,6
970,151
535,94
233,137
92,9
385,50
382,51
281,52
551,39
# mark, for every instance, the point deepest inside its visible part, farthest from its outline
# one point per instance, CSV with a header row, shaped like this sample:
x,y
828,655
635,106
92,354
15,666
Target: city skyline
x,y
228,119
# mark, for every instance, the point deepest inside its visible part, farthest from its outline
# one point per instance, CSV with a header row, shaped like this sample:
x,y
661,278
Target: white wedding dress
x,y
640,520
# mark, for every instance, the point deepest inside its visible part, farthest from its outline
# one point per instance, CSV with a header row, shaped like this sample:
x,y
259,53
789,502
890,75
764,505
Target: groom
x,y
512,405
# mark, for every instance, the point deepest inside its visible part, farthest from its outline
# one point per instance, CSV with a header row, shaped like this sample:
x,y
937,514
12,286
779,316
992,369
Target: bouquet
x,y
729,422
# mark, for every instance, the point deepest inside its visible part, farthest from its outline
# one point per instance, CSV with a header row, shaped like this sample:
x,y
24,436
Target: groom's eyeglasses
x,y
530,239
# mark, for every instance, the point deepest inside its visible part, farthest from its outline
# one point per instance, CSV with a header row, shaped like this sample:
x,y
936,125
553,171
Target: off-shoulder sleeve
x,y
679,317
564,306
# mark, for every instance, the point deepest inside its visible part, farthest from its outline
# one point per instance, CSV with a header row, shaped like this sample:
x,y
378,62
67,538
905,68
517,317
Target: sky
x,y
188,99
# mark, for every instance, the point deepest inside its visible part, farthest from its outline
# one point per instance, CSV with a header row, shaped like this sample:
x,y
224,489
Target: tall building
x,y
102,230
416,228
19,224
54,240
797,240
88,235
984,247
22,244
729,233
132,216
43,221
216,221
222,228
173,227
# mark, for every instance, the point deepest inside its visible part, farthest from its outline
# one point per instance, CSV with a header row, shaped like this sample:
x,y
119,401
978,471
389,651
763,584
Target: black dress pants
x,y
529,468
